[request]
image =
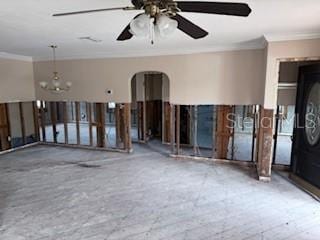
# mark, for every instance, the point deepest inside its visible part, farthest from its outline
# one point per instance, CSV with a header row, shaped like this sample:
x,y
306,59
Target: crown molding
x,y
291,37
5,55
134,54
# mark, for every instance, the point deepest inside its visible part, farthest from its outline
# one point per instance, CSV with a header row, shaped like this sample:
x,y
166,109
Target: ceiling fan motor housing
x,y
155,7
152,10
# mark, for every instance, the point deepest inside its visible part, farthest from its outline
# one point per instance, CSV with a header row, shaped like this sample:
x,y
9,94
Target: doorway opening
x,y
150,107
285,120
306,141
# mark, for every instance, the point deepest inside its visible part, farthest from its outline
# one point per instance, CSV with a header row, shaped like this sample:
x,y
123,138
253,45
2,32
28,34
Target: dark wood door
x,y
4,128
306,147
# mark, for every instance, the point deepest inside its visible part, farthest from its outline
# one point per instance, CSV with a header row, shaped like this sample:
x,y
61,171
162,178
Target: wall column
x,y
264,144
173,128
126,117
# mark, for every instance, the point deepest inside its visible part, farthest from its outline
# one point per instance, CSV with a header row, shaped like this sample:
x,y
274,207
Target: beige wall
x,y
235,77
285,50
16,81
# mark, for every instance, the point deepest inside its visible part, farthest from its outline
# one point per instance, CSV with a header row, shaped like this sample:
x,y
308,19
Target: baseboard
x,y
206,159
19,148
281,167
87,147
305,186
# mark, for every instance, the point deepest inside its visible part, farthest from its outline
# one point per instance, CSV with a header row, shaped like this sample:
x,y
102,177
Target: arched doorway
x,y
150,107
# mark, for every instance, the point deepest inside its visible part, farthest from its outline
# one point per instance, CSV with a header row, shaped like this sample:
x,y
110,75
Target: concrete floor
x,y
61,193
242,142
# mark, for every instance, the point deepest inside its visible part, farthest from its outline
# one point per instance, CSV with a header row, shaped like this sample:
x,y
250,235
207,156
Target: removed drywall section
x,y
15,125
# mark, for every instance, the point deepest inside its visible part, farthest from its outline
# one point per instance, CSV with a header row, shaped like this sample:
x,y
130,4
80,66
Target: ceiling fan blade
x,y
223,8
190,28
93,11
126,34
137,3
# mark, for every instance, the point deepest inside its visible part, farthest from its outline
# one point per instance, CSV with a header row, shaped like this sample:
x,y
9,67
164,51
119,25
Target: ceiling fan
x,y
162,16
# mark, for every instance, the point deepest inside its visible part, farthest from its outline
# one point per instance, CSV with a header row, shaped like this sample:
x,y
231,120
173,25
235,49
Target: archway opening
x,y
150,107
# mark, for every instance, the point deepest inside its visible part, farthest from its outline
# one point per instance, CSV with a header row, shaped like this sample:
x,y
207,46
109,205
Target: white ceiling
x,y
27,28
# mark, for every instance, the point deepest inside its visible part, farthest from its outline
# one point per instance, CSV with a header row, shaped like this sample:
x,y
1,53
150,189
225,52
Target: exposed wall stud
x,y
118,124
36,120
89,110
265,142
22,123
65,122
172,128
178,150
4,128
127,126
53,120
43,120
77,105
223,132
101,131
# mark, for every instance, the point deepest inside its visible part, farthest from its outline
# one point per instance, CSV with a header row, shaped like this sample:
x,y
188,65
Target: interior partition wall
x,y
29,126
197,126
18,125
284,127
214,131
97,125
242,139
4,128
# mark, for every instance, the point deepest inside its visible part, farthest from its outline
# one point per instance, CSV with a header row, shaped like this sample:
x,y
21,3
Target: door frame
x,y
300,105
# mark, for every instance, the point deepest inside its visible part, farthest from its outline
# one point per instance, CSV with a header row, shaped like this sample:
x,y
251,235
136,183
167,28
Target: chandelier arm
x,y
56,88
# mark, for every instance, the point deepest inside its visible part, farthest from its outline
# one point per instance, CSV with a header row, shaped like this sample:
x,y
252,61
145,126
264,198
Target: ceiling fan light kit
x,y
146,26
161,17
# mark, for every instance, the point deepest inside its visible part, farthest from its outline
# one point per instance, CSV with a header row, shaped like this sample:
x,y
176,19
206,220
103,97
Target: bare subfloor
x,y
61,193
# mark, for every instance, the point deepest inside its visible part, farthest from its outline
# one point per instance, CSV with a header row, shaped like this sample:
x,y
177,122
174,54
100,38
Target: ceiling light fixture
x,y
56,82
147,26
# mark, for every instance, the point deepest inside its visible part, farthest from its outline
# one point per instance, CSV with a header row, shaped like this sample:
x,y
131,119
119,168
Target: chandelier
x,y
55,86
150,26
